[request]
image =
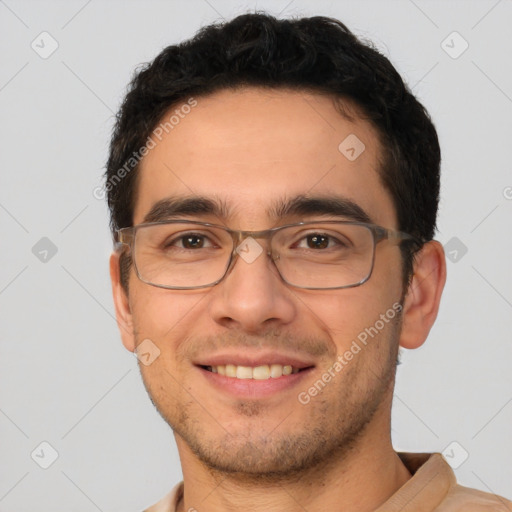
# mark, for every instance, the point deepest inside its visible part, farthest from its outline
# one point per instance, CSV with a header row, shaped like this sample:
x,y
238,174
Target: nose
x,y
252,296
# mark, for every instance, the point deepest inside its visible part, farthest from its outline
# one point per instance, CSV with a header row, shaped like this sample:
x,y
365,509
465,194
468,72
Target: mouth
x,y
261,372
255,375
255,382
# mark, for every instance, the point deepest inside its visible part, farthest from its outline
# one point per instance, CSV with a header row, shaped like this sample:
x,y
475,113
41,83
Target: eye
x,y
320,241
317,241
189,241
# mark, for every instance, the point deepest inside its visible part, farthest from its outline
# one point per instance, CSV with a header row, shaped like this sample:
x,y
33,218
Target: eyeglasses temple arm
x,y
124,237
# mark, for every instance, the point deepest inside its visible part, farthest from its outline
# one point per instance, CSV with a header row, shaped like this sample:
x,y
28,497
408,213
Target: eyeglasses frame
x,y
126,238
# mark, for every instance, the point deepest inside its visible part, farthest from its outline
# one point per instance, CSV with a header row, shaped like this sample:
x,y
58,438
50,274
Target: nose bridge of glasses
x,y
261,237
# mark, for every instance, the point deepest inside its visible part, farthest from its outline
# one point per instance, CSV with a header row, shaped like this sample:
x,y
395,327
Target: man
x,y
273,188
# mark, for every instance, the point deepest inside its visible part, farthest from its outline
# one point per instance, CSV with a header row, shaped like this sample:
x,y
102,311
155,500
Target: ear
x,y
421,303
122,304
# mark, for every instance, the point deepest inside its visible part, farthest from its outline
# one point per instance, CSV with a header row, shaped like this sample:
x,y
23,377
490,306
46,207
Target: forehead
x,y
253,149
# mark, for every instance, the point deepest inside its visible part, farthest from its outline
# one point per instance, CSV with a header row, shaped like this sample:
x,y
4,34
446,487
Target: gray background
x,y
65,377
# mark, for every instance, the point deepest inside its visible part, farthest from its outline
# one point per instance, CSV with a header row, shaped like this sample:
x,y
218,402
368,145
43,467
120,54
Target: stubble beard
x,y
329,431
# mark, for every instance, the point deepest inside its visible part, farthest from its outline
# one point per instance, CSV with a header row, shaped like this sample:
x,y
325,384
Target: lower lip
x,y
254,388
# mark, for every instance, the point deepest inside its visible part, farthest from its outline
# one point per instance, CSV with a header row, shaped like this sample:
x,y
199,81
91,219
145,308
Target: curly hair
x,y
314,54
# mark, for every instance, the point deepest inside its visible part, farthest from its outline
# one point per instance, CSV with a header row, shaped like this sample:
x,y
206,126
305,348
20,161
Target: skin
x,y
276,453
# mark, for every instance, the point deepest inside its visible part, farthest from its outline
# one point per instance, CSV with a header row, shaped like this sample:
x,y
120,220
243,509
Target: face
x,y
251,149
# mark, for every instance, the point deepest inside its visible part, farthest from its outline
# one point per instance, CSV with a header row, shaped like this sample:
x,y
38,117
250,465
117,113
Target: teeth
x,y
230,370
257,372
243,372
261,372
276,370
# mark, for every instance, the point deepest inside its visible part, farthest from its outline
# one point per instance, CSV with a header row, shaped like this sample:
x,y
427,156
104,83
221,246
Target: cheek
x,y
344,315
166,318
164,315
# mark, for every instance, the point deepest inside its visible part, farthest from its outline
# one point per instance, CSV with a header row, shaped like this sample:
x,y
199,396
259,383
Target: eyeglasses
x,y
314,255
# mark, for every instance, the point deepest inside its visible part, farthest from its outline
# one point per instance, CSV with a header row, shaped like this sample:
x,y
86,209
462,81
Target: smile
x,y
262,372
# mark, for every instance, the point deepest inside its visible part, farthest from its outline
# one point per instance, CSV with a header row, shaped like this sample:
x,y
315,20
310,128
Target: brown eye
x,y
317,241
192,241
189,241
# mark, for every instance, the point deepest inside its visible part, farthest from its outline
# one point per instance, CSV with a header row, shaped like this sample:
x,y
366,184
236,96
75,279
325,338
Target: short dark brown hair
x,y
315,54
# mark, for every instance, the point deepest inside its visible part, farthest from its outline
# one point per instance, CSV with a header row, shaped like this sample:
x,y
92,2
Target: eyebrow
x,y
200,206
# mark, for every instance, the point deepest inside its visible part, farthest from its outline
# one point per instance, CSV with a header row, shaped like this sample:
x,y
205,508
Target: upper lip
x,y
262,358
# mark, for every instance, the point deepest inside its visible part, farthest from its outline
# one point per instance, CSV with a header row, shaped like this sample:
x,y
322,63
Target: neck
x,y
362,479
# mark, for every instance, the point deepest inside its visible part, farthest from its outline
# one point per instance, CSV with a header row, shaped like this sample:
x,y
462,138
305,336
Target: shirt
x,y
433,487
